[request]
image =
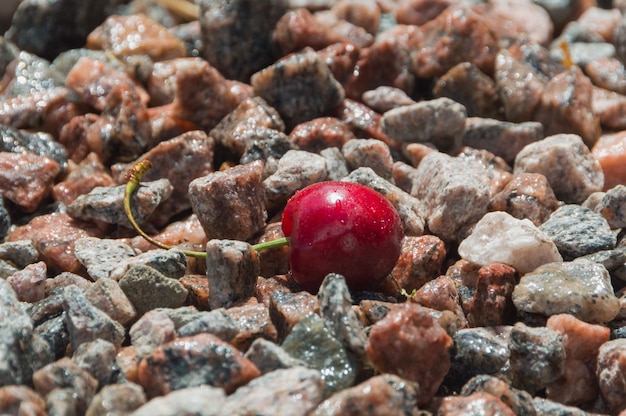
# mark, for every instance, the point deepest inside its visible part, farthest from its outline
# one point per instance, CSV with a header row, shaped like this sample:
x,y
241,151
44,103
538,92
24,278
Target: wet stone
x,y
440,121
194,361
478,351
300,87
54,332
171,263
370,153
519,401
100,256
287,309
480,402
296,170
191,400
106,295
527,195
537,357
26,179
117,399
454,194
314,344
580,288
216,198
217,322
29,283
383,394
106,204
411,344
21,399
151,330
64,373
610,374
268,356
408,207
420,261
232,271
578,231
149,289
98,359
86,323
28,73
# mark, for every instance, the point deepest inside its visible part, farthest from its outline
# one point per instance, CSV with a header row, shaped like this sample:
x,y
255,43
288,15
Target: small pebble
x,y
610,151
520,401
117,398
149,289
268,356
151,330
580,288
610,373
216,322
369,153
612,206
101,256
477,403
201,400
287,309
421,261
21,400
384,98
321,133
29,283
171,263
108,296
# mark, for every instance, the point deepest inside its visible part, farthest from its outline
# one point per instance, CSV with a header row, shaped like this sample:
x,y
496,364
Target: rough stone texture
x,y
202,359
100,256
313,343
86,323
440,121
420,261
439,294
410,343
26,179
500,238
491,304
608,73
480,403
385,394
64,373
236,36
37,142
580,288
610,151
519,401
229,204
5,219
117,398
409,208
537,357
295,170
549,407
21,400
89,174
454,194
171,263
610,372
578,231
300,87
148,289
293,391
232,271
612,206
369,153
385,98
29,283
320,133
578,384
527,195
216,322
571,170
268,356
98,359
20,253
511,20
504,139
151,330
252,321
201,400
287,309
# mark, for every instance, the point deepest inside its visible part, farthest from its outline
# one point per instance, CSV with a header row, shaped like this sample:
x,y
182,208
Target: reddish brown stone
x,y
418,12
254,322
492,304
275,260
287,309
610,151
410,343
26,179
420,261
126,359
439,294
477,403
89,174
320,133
21,400
341,58
198,288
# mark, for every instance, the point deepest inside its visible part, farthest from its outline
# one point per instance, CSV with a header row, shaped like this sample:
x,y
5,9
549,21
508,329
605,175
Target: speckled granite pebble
x,y
612,375
201,400
117,399
100,256
148,289
580,288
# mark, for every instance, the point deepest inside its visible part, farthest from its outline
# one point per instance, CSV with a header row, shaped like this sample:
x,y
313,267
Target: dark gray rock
x,y
55,333
20,253
171,263
268,356
149,289
5,220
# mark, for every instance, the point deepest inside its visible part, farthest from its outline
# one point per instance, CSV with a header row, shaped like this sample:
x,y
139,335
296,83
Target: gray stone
x,y
7,269
106,295
311,342
171,263
86,323
101,256
20,253
547,407
37,142
151,330
98,359
191,401
537,357
612,206
149,289
5,220
336,164
216,322
293,391
268,356
610,373
578,231
54,332
371,153
119,399
580,288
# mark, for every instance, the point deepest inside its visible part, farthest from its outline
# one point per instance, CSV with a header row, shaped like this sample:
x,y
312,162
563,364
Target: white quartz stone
x,y
500,238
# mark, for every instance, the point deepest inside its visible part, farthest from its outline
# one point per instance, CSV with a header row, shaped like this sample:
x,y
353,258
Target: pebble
x,y
38,142
519,401
201,400
202,359
26,179
440,121
21,400
610,374
580,288
62,401
268,356
512,20
439,294
421,260
151,330
216,322
502,138
526,195
411,344
253,321
106,204
549,407
89,174
610,108
491,304
148,289
287,309
612,206
108,296
576,175
100,256
233,271
371,153
408,207
5,220
29,283
293,391
607,73
610,151
320,133
384,394
537,357
384,98
477,403
171,263
313,343
300,87
86,323
578,231
578,384
500,238
98,359
454,193
117,399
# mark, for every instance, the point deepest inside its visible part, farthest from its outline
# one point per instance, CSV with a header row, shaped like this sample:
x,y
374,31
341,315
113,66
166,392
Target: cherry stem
x,y
133,177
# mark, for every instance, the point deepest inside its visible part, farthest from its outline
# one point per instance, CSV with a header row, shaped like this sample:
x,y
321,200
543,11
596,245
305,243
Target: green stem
x,y
134,176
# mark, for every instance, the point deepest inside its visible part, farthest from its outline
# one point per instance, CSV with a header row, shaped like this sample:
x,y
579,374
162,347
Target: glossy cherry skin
x,y
341,227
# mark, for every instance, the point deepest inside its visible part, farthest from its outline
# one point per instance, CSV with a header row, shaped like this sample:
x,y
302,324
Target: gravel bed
x,y
496,129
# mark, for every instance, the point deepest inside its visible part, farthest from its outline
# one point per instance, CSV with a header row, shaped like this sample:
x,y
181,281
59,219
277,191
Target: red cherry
x,y
341,227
